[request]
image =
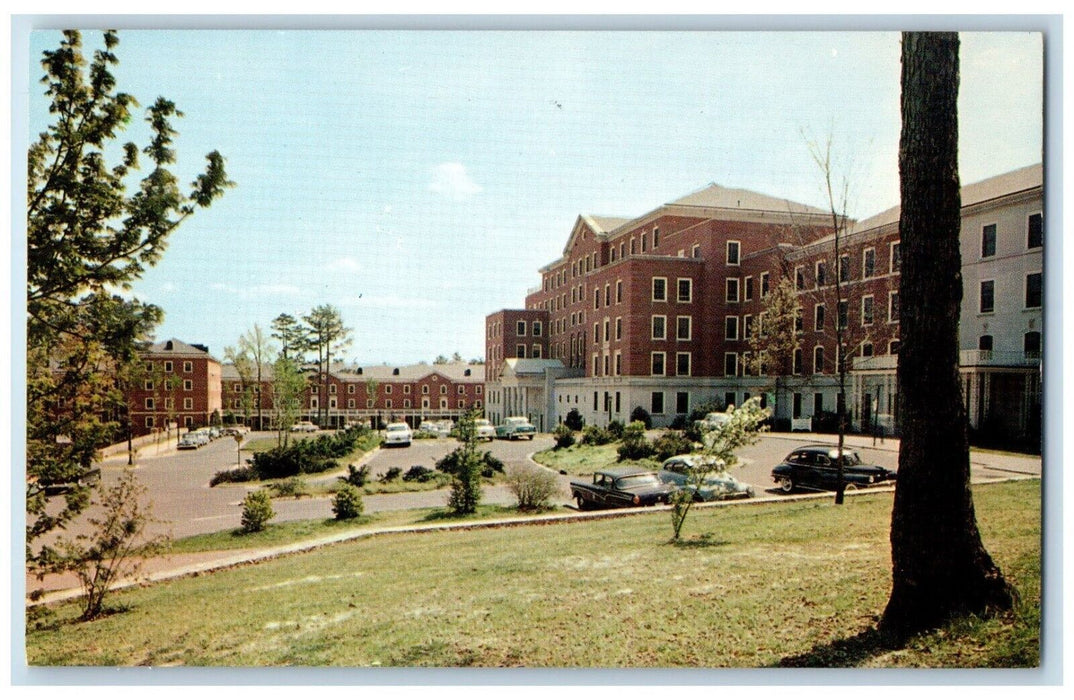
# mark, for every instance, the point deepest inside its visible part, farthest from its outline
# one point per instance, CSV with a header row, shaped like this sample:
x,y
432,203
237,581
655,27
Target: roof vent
x,y
169,345
359,370
466,373
395,372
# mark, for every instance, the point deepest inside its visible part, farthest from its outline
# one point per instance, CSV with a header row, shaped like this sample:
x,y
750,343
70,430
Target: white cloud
x,y
452,180
345,265
276,289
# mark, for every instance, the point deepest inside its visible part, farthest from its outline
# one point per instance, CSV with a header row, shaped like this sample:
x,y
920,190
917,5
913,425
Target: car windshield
x,y
635,480
396,428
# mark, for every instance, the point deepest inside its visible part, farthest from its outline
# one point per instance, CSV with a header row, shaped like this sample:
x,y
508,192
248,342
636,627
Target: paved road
x,y
178,481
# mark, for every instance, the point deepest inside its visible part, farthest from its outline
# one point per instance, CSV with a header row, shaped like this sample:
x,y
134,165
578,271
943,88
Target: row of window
x,y
1034,292
1030,344
370,403
388,388
168,404
188,366
868,268
188,385
1034,236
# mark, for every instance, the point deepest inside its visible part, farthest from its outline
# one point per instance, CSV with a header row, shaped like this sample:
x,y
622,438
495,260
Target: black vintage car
x,y
817,467
621,488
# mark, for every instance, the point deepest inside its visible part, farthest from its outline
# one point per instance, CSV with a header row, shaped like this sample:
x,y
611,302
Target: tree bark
x,y
940,568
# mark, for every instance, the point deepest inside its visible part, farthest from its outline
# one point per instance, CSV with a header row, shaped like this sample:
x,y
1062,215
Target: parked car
x,y
303,426
485,429
716,485
817,467
201,435
712,421
190,441
397,434
90,477
624,487
214,433
516,427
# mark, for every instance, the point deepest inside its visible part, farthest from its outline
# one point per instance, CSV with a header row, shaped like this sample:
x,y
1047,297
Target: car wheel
x,y
786,484
750,493
850,487
582,504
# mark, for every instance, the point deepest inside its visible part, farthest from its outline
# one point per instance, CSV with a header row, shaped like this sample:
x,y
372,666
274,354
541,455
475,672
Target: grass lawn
x,y
757,585
580,460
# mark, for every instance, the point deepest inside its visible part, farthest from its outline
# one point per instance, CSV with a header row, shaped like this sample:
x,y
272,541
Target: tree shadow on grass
x,y
841,653
699,542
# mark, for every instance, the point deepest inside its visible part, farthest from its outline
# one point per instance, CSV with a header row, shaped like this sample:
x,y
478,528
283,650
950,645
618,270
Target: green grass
x,y
580,460
757,585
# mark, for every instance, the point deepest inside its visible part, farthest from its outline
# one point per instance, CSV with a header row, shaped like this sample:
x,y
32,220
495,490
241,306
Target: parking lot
x,y
178,481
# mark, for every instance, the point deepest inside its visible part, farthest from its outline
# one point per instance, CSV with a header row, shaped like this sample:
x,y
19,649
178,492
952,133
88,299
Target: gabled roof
x,y
599,225
529,365
177,348
716,197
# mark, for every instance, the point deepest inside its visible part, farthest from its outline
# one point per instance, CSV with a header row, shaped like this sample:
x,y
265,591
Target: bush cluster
x,y
489,465
392,474
356,477
640,415
595,435
312,456
256,511
290,488
634,445
347,503
533,487
564,436
237,475
574,420
671,443
419,474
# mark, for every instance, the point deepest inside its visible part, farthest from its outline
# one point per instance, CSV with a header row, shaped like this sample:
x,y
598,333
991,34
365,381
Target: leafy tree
x,y
87,236
115,545
720,446
466,477
940,568
775,337
347,503
240,360
327,334
574,420
256,511
288,385
255,345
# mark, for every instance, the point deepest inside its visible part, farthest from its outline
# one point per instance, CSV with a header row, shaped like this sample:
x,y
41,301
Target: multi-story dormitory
x,y
187,386
655,312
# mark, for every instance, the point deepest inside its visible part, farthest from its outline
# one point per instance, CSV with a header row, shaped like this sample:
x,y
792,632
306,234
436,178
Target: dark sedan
x,y
817,467
621,488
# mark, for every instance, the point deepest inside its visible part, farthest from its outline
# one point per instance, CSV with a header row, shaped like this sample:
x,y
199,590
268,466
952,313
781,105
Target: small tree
x,y
634,446
466,478
347,503
288,383
564,436
574,420
256,511
115,545
533,487
775,338
720,445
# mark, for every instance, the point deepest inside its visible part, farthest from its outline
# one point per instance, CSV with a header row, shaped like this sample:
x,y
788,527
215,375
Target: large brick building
x,y
181,384
654,312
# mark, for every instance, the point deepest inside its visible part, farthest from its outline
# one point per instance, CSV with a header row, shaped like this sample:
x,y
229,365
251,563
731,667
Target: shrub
x,y
356,477
634,446
595,435
671,443
419,474
533,487
392,474
564,436
293,488
640,415
256,511
347,503
487,465
574,420
616,428
238,475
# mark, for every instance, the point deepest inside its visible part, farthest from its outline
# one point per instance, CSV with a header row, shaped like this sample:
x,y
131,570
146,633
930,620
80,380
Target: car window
x,y
636,480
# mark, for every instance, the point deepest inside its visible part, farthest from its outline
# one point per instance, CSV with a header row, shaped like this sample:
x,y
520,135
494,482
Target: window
x,y
537,329
821,273
682,364
985,343
798,320
632,246
659,328
695,252
730,328
799,278
682,402
988,296
730,364
520,351
843,313
1031,344
868,263
149,385
167,365
797,368
520,328
686,290
149,404
660,289
747,327
733,248
619,328
657,364
535,353
684,328
188,366
188,385
844,268
988,241
1036,231
406,388
893,307
643,238
747,290
764,284
867,310
818,317
618,363
657,403
607,295
656,236
895,257
188,404
866,349
893,347
732,290
619,291
596,333
818,359
1033,290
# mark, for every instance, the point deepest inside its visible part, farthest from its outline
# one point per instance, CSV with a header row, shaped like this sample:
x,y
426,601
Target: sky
x,y
417,180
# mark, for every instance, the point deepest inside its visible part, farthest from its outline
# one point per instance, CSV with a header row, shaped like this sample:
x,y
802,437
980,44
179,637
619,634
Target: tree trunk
x,y
940,568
